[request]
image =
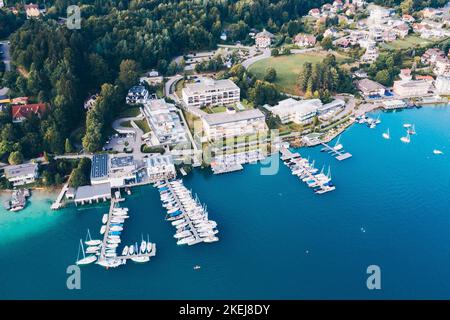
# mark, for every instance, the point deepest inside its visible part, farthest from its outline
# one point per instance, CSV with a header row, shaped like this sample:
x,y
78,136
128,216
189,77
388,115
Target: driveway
x,y
247,63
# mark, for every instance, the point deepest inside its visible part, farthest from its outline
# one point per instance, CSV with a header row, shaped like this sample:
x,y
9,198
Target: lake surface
x,y
278,240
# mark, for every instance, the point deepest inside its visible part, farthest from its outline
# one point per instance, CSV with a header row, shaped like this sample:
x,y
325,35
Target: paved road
x,y
247,63
5,57
168,87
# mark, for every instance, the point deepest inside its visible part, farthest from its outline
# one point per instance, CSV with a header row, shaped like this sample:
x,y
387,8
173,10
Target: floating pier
x,y
218,169
286,154
58,202
339,155
191,214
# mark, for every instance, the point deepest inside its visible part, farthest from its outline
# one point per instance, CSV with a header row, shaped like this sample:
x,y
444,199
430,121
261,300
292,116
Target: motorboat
x,y
102,229
105,218
116,228
412,130
406,125
186,240
211,239
178,222
141,259
182,234
438,152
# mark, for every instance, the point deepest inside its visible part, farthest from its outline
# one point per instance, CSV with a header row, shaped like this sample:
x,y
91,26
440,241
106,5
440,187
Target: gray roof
x,y
224,117
20,170
264,33
118,162
369,85
210,85
94,191
99,167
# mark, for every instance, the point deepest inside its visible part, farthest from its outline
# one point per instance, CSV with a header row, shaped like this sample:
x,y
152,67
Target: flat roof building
x,y
371,88
99,168
210,92
94,193
411,88
160,167
297,111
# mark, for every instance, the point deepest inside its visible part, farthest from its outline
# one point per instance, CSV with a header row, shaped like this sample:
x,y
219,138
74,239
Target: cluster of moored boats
x,y
105,252
186,214
370,122
315,179
18,200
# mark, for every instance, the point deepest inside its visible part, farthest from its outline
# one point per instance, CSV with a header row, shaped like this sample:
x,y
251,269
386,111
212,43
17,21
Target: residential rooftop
x,y
20,170
226,117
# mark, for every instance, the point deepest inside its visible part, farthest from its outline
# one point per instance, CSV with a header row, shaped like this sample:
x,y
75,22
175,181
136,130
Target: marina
x,y
302,168
337,151
106,249
186,214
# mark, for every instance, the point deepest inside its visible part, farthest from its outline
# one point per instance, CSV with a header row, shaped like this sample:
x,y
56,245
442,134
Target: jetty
x,y
185,216
286,154
102,257
58,202
338,154
225,168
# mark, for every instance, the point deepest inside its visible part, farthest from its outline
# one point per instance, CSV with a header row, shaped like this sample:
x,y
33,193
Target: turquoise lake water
x,y
278,240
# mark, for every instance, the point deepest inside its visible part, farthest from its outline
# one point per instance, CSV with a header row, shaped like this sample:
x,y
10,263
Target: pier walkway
x,y
58,202
185,216
286,154
339,155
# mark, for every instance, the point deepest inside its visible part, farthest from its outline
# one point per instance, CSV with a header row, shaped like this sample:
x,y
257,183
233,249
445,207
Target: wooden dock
x,y
339,155
58,202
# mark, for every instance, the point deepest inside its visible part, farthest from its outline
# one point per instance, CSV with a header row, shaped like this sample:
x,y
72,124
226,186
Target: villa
x,y
32,11
263,39
19,113
22,174
136,94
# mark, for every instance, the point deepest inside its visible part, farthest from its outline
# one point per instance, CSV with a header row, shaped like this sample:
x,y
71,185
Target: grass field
x,y
289,67
410,41
143,125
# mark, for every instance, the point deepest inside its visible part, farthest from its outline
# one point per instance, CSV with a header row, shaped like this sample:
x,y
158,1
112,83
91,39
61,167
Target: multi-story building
x,y
300,112
160,167
442,84
165,122
441,66
210,92
411,88
305,40
22,174
136,94
117,171
263,39
371,88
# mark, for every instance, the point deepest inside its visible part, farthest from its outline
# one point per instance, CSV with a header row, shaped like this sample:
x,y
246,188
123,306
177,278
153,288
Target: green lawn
x,y
126,124
289,67
129,111
143,125
410,41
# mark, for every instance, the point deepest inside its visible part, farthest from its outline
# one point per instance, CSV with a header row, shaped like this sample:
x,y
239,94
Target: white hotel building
x,y
300,112
442,84
210,92
411,88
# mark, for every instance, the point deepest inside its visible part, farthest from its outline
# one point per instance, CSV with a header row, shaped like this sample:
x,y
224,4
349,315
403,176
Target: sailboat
x,y
406,139
149,245
143,245
86,259
387,135
91,242
338,146
412,130
436,151
378,121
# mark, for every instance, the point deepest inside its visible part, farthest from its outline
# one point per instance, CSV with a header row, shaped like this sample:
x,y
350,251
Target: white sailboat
x,y
149,245
86,259
412,130
143,245
386,135
105,218
125,251
406,125
338,146
91,242
406,139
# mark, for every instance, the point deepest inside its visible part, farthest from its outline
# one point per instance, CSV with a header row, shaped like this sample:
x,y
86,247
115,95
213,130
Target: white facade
x,y
300,112
160,167
442,84
229,124
263,39
411,88
442,67
210,92
22,174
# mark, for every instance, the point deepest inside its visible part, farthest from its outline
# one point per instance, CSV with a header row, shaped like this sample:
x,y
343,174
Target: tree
x,y
15,157
274,52
128,74
271,74
68,146
383,77
327,43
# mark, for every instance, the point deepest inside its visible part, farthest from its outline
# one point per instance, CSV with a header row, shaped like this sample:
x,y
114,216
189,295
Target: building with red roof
x,y
20,112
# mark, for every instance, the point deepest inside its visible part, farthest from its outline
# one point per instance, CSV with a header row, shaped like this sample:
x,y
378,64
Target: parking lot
x,y
120,143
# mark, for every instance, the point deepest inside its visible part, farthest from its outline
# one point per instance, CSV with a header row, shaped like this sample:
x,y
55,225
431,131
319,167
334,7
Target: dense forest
x,y
117,41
